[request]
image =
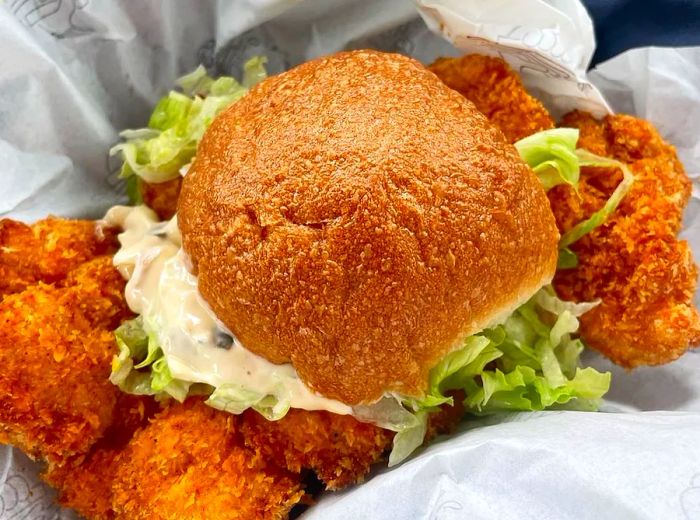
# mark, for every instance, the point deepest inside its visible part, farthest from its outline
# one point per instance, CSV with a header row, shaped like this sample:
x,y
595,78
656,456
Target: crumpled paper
x,y
75,72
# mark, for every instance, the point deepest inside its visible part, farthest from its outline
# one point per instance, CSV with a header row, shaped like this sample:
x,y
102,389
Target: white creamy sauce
x,y
161,288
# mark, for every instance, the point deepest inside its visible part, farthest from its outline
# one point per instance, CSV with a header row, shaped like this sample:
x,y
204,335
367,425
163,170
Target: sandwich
x,y
354,236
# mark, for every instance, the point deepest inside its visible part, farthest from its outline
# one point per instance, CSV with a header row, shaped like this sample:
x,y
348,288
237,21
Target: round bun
x,y
357,218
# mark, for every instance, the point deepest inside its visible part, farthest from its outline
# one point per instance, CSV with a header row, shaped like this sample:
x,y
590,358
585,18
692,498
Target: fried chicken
x,y
644,277
47,251
56,343
161,197
338,448
496,91
190,462
84,483
55,396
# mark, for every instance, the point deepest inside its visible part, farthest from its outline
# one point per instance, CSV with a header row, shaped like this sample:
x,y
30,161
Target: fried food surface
x,y
57,404
338,448
61,301
190,462
55,396
497,92
645,277
84,482
161,197
47,250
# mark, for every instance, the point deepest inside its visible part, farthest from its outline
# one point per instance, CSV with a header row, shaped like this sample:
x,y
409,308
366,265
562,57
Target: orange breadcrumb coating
x,y
338,448
190,462
497,92
161,197
55,396
85,482
102,292
47,250
56,342
644,276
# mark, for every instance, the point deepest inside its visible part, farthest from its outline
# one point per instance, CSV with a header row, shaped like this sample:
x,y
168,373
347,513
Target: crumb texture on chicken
x,y
338,448
61,303
496,91
84,482
644,276
47,250
161,197
55,395
190,462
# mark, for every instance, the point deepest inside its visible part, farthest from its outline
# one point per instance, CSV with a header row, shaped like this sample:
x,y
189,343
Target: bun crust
x,y
357,218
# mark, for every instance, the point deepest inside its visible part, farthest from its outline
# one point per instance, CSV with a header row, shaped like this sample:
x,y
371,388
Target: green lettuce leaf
x,y
599,217
553,156
157,153
236,399
140,367
529,362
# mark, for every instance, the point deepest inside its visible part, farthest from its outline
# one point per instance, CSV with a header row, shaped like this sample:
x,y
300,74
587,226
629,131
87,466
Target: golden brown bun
x,y
357,218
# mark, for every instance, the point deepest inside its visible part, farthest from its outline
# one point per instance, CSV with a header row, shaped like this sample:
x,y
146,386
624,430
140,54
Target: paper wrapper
x,y
75,72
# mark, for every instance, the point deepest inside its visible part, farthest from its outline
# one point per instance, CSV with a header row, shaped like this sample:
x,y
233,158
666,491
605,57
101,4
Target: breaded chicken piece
x,y
644,276
56,347
55,396
497,92
190,462
47,250
84,483
338,448
161,197
102,292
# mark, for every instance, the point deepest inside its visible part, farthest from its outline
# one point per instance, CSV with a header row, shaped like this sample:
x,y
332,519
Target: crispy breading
x,y
338,448
85,482
644,276
55,396
101,289
190,462
56,342
497,92
47,250
161,197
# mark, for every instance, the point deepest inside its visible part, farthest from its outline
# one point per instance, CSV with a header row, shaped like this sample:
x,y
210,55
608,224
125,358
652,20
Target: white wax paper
x,y
74,72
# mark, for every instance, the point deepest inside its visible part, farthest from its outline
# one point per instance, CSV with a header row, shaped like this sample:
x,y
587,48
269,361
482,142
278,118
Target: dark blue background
x,y
625,24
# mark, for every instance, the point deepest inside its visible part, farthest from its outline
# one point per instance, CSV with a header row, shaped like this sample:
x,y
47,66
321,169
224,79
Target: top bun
x,y
357,218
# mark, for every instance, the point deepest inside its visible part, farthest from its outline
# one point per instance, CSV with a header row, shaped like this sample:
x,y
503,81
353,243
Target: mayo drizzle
x,y
161,288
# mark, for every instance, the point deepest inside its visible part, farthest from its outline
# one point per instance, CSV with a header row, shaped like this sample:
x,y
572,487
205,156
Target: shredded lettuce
x,y
529,362
236,399
158,152
553,156
599,217
140,367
